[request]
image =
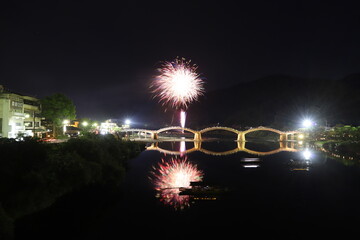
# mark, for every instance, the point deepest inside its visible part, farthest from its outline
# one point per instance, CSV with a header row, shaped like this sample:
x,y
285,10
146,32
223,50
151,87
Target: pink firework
x,y
177,83
171,175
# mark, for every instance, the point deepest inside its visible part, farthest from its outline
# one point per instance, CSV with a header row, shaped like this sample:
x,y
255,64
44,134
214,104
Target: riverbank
x,y
347,152
33,175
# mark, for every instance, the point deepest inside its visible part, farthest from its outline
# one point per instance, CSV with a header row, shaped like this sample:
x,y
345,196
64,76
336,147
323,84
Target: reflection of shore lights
x,y
251,166
307,154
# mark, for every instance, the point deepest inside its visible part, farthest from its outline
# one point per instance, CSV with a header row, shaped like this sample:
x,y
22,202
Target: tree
x,y
56,108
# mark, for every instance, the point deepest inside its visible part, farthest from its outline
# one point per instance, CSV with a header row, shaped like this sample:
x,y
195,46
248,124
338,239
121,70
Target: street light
x,y
307,123
65,123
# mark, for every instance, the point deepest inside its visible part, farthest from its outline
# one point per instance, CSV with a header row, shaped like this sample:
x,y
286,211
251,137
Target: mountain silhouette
x,y
280,101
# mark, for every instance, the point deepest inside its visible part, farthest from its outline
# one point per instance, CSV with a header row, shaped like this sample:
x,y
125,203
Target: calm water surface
x,y
293,190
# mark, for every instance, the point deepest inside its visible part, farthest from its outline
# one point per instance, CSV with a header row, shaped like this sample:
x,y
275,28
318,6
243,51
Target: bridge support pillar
x,y
154,136
241,145
197,145
283,137
283,145
241,137
197,136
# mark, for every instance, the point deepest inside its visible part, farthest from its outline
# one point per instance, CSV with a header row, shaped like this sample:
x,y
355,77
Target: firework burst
x,y
177,83
169,176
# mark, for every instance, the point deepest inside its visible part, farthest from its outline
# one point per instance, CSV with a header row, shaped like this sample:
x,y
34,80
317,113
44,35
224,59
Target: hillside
x,y
280,101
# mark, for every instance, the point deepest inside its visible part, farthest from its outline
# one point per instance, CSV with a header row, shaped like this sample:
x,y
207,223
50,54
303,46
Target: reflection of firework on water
x,y
178,83
169,176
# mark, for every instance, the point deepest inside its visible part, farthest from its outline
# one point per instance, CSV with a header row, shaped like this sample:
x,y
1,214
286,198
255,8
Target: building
x,y
19,115
108,127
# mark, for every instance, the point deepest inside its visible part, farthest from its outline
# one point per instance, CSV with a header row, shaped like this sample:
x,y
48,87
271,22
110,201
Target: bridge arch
x,y
283,136
176,128
209,129
196,133
263,129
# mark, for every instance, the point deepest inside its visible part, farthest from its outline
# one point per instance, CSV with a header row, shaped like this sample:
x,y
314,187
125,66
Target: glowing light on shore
x,y
307,123
177,83
171,175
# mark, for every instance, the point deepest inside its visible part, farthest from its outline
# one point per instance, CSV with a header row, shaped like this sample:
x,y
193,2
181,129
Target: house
x,y
19,115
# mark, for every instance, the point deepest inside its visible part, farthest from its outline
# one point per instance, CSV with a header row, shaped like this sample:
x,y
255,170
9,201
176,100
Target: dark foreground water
x,y
286,191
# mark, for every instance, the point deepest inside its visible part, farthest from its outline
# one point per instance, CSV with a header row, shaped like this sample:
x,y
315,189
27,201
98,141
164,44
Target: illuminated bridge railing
x,y
241,135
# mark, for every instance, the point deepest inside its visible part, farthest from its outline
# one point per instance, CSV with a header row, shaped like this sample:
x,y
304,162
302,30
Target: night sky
x,y
103,54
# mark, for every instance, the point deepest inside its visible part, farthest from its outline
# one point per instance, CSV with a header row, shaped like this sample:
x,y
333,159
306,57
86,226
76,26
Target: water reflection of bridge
x,y
198,135
287,147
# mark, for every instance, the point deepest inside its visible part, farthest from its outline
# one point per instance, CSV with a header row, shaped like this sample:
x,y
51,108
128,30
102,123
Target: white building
x,y
108,127
19,114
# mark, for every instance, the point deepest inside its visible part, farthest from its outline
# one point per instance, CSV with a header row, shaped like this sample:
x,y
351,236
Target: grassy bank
x,y
346,151
33,174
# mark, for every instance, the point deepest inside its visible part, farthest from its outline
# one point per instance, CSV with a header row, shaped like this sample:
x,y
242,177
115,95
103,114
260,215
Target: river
x,y
295,188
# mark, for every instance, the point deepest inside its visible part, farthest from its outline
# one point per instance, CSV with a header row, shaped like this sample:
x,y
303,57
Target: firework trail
x,y
177,83
169,176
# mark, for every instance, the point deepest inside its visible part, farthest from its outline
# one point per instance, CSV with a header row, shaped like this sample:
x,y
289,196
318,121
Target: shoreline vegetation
x,y
346,151
341,142
33,175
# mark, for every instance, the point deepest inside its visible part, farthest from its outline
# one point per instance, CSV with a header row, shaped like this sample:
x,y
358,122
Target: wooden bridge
x,y
240,148
197,135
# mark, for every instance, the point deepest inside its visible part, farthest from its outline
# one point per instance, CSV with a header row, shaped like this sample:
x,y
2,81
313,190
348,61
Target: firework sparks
x,y
182,118
171,175
177,84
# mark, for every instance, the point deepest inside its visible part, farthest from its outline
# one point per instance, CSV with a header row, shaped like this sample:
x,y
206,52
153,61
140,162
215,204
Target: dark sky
x,y
104,54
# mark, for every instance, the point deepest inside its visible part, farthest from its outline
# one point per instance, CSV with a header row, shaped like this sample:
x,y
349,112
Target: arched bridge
x,y
241,135
283,146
